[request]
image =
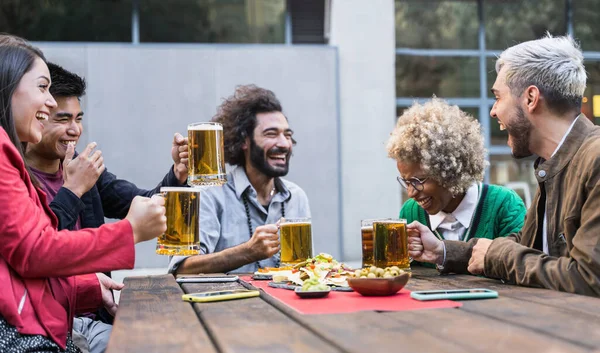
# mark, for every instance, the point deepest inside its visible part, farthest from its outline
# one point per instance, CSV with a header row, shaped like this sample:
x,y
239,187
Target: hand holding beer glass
x,y
182,236
206,164
296,240
390,244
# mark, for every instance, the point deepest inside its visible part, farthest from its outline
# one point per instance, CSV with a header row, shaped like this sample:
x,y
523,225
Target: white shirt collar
x,y
463,213
565,136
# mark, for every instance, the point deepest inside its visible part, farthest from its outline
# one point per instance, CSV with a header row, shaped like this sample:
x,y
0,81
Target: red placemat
x,y
348,302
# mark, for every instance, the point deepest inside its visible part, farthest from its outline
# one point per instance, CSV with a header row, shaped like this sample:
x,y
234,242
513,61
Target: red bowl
x,y
379,286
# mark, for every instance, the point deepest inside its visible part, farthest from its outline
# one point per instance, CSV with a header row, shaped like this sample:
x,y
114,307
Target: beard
x,y
519,132
258,158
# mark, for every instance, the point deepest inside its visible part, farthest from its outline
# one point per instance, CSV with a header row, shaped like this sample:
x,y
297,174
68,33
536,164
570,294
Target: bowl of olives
x,y
376,281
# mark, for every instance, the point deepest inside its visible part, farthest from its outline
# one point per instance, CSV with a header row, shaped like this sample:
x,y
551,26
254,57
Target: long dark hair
x,y
16,58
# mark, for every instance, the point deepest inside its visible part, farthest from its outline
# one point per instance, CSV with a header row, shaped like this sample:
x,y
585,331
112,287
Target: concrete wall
x,y
363,32
138,96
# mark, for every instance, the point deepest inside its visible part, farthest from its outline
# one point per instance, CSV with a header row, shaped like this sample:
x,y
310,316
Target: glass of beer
x,y
206,155
295,235
366,230
183,229
390,244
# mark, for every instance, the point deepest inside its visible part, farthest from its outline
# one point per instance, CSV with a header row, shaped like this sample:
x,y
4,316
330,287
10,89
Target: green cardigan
x,y
500,212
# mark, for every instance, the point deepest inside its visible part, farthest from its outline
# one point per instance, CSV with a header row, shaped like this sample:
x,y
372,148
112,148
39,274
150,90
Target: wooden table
x,y
153,318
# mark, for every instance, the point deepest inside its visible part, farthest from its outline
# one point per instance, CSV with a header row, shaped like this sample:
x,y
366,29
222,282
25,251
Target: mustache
x,y
278,150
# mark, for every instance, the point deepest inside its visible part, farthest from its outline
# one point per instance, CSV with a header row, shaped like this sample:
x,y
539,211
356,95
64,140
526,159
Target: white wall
x,y
138,96
363,32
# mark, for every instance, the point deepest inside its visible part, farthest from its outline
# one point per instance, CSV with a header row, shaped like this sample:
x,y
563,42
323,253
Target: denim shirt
x,y
223,219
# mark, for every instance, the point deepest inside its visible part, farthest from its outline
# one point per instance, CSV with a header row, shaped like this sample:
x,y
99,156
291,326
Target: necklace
x,y
250,232
247,207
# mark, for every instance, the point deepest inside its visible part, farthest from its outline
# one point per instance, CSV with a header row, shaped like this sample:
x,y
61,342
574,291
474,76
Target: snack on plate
x,y
378,272
323,267
313,284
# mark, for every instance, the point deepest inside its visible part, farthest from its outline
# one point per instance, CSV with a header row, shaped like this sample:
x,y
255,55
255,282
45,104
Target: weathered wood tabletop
x,y
153,318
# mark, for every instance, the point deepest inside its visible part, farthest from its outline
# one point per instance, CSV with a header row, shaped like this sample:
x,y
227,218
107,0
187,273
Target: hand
x,y
147,217
82,173
179,152
423,245
264,242
107,284
476,262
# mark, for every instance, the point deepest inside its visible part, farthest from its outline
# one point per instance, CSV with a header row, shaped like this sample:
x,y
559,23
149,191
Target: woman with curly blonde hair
x,y
440,156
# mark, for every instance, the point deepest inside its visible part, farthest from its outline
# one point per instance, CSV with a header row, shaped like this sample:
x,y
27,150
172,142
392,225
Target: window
x,y
510,22
591,98
211,21
585,23
436,24
418,76
68,21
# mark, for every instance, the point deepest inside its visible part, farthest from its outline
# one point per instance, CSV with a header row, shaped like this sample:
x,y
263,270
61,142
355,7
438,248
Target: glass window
x,y
474,112
211,21
591,97
517,173
422,76
436,24
510,22
67,21
585,23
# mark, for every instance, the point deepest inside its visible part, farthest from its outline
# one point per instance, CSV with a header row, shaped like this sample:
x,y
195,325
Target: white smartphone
x,y
207,279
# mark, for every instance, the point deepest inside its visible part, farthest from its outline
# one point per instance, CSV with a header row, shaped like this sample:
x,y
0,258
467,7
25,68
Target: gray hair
x,y
553,64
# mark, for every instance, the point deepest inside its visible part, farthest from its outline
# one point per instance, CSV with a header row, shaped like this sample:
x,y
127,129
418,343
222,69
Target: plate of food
x,y
323,267
312,288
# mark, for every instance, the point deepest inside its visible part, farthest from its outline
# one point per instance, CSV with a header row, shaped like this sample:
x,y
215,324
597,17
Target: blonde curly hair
x,y
445,141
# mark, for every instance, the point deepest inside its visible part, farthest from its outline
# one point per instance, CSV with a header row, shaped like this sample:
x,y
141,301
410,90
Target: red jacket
x,y
39,289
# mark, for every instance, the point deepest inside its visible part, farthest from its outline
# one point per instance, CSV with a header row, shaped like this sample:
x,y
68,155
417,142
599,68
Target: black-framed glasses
x,y
416,183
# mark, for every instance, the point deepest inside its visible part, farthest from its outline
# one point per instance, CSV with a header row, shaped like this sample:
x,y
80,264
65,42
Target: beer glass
x,y
182,236
295,235
206,155
366,231
390,244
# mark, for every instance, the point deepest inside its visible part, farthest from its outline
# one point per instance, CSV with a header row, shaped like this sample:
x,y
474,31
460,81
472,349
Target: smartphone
x,y
204,297
207,279
453,294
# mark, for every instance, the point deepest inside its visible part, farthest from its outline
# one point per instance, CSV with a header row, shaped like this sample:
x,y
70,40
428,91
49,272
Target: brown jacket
x,y
572,182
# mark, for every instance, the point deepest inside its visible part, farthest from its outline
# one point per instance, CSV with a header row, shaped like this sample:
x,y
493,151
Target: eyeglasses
x,y
416,183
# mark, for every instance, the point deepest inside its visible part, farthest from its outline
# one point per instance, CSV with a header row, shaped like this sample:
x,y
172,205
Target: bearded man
x,y
238,221
539,90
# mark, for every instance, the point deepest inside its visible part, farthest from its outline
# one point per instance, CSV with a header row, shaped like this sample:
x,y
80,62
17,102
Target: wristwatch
x,y
440,268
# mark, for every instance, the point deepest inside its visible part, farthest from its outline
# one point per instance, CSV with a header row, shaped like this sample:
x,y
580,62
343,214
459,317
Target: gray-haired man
x,y
539,90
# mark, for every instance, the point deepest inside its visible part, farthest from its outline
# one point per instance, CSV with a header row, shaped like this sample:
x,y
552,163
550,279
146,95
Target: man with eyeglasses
x,y
539,91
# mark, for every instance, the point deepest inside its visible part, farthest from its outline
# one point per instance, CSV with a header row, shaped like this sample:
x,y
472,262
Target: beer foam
x,y
391,221
205,127
366,228
179,189
295,223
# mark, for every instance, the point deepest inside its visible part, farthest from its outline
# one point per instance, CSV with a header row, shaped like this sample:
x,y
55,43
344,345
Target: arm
x,y
221,262
508,222
67,207
579,273
263,244
32,246
89,295
117,194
